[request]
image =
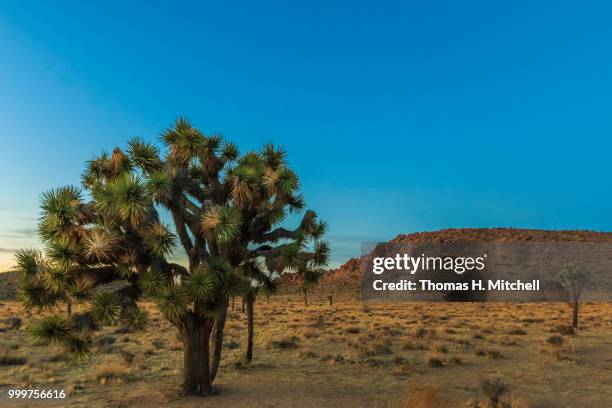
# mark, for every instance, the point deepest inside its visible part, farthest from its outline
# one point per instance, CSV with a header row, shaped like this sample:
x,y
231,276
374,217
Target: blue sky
x,y
399,116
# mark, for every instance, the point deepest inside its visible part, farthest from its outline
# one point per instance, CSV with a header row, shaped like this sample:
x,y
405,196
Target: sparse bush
x,y
434,360
8,359
555,340
289,342
494,390
565,330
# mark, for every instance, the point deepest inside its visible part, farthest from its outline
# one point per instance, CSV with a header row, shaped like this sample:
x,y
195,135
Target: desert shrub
x,y
517,332
379,345
434,360
565,330
8,359
106,340
136,319
352,330
13,323
494,390
456,360
425,332
158,343
289,342
127,356
555,340
532,320
493,354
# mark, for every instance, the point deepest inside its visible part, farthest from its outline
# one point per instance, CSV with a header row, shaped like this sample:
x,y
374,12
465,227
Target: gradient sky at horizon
x,y
398,116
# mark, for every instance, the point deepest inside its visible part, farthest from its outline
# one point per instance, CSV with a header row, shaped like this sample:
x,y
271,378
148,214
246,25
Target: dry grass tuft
x,y
108,371
427,398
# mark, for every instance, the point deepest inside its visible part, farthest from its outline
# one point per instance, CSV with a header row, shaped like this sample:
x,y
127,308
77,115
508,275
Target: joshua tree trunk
x,y
69,308
218,341
331,300
233,302
305,297
250,302
243,305
195,331
575,314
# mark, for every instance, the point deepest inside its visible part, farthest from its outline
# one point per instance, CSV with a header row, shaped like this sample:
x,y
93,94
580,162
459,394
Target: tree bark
x,y
305,297
218,341
195,331
248,356
575,314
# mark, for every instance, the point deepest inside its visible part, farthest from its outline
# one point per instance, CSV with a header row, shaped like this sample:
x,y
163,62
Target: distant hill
x,y
349,275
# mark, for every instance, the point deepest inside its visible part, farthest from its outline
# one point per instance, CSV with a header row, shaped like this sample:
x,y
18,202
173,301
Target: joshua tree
x,y
574,279
225,209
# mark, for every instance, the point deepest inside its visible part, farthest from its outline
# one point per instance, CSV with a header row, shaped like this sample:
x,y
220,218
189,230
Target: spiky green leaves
x,y
50,330
160,240
317,229
59,212
151,281
200,285
97,171
280,182
79,288
64,252
78,345
55,280
321,254
292,257
158,186
106,308
230,151
173,301
185,142
55,330
100,245
136,319
130,198
222,222
28,261
144,155
274,157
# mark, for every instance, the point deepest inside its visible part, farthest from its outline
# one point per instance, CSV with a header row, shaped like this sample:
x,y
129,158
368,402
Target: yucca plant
x,y
225,211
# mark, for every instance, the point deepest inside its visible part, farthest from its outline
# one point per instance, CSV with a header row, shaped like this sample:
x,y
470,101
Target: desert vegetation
x,y
107,245
349,354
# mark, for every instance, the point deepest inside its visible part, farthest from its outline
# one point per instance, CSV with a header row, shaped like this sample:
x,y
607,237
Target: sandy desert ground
x,y
351,354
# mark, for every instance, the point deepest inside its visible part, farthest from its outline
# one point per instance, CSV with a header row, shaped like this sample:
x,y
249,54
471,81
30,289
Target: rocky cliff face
x,y
516,253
